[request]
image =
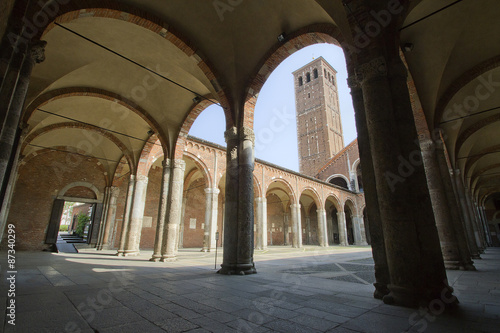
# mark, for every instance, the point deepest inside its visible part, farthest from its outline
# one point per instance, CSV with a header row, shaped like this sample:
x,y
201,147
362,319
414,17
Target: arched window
x,y
333,80
315,73
329,77
339,181
300,81
308,77
325,72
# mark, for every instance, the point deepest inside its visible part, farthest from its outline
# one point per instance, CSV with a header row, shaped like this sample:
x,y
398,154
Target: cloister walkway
x,y
296,290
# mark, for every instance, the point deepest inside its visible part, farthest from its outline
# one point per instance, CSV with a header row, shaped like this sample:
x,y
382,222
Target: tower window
x,y
308,77
300,81
329,77
309,95
315,73
325,72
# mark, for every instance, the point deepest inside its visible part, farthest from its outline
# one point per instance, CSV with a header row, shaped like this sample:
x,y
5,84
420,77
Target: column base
x,y
119,253
401,296
411,298
470,267
168,258
155,258
475,256
237,269
131,253
380,290
453,265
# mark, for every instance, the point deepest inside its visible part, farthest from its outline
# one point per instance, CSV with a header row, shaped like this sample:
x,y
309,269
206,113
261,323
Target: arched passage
x,y
333,227
279,197
310,204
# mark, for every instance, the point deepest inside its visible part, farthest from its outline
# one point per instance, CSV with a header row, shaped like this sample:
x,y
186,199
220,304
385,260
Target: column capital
x,y
427,144
353,82
247,133
377,67
231,134
320,210
142,178
212,190
167,163
178,164
114,191
37,51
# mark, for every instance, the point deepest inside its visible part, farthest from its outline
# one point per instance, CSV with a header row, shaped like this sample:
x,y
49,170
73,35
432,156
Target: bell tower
x,y
319,127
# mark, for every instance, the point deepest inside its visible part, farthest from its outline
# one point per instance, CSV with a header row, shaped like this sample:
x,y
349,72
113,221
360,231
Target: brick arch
x,y
474,128
291,192
351,205
316,198
472,160
459,83
26,159
117,10
336,201
56,94
188,122
306,36
120,173
73,125
201,166
88,185
150,152
257,188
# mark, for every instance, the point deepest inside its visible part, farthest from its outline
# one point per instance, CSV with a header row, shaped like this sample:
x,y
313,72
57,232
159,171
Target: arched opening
x,y
349,224
332,220
339,181
359,178
279,217
309,201
367,227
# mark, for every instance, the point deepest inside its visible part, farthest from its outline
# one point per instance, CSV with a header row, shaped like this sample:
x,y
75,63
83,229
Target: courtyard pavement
x,y
296,290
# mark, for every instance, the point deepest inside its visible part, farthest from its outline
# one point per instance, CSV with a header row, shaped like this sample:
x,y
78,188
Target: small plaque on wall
x,y
147,221
192,223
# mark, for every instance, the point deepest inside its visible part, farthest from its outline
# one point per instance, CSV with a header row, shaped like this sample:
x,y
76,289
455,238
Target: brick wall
x,y
37,186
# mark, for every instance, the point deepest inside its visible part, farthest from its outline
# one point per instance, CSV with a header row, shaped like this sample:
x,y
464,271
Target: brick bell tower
x,y
319,128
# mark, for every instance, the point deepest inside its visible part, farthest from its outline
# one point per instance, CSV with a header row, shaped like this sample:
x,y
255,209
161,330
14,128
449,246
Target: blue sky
x,y
275,122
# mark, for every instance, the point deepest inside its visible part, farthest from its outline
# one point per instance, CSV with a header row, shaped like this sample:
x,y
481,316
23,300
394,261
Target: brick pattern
x,y
38,183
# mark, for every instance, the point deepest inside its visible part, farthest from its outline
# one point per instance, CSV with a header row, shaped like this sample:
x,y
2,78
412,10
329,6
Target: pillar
x,y
474,221
342,228
170,238
296,225
322,230
482,213
180,242
239,219
261,218
126,215
469,230
308,230
162,210
416,266
359,231
442,213
110,217
16,83
457,219
133,238
382,278
211,215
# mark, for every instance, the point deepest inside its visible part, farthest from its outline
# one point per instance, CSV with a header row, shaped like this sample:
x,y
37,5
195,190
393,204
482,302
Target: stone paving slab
x,y
293,292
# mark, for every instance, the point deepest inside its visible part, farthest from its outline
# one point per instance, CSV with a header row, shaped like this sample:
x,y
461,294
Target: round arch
x,y
287,185
201,166
338,175
94,189
309,35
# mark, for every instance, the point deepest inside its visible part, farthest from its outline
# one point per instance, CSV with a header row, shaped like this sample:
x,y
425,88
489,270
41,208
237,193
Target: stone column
x,y
474,221
208,214
370,190
416,266
171,235
10,132
442,213
308,230
246,158
322,230
211,212
261,218
126,215
469,231
104,218
180,241
342,229
482,213
137,215
359,231
456,215
296,225
231,204
162,210
110,217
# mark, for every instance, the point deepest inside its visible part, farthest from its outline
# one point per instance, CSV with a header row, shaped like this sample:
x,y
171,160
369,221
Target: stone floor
x,y
307,290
